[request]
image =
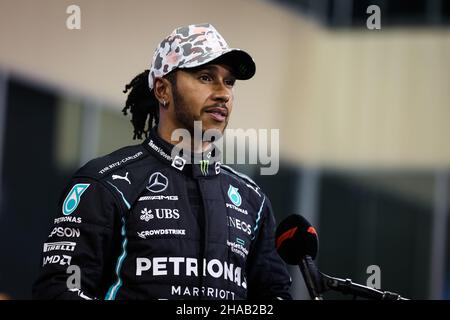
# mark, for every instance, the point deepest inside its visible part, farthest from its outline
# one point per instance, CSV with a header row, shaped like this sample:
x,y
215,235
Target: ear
x,y
162,90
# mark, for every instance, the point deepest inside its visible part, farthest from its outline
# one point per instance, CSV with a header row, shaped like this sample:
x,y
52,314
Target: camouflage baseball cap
x,y
195,45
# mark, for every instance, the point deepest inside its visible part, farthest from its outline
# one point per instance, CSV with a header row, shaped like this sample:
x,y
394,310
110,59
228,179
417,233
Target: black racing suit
x,y
141,224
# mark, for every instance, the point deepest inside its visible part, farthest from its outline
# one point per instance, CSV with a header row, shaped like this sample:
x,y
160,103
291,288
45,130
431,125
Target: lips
x,y
218,113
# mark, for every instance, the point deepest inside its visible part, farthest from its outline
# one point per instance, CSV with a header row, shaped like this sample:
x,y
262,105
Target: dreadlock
x,y
142,104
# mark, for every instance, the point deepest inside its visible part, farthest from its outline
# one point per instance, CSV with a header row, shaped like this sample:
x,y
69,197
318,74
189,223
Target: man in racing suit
x,y
146,223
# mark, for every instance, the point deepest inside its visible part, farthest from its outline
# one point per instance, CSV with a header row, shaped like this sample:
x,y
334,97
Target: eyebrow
x,y
208,67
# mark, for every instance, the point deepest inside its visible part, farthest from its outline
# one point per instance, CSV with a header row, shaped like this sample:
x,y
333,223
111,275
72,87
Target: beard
x,y
182,112
185,116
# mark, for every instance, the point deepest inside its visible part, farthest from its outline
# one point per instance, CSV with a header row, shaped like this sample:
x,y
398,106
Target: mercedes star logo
x,y
157,182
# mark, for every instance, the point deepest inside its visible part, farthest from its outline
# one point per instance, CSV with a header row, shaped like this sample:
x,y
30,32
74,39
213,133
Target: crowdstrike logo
x,y
157,182
160,232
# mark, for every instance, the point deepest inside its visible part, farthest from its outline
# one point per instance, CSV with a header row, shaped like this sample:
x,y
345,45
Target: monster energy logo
x,y
204,167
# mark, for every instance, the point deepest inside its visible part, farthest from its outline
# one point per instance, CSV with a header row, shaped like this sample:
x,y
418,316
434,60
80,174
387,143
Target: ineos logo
x,y
157,182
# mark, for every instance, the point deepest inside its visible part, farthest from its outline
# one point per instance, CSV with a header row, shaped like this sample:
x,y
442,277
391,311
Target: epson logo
x,y
151,198
240,225
65,232
63,246
62,260
182,266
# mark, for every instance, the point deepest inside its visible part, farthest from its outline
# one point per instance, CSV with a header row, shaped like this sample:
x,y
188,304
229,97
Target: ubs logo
x,y
148,215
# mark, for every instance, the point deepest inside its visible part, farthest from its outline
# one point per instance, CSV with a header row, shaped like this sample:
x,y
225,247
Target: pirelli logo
x,y
61,246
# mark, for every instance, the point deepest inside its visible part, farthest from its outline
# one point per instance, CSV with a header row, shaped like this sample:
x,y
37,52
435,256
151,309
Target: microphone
x,y
297,244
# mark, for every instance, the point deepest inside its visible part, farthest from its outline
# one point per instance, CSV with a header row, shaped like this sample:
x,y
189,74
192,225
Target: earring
x,y
164,103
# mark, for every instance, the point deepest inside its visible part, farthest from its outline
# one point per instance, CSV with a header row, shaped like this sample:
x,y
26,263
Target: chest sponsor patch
x,y
73,198
159,214
160,232
59,246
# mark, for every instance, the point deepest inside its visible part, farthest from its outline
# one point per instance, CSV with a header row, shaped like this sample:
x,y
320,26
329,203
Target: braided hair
x,y
142,103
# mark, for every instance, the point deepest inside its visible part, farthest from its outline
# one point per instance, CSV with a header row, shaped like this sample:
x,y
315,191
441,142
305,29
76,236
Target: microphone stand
x,y
348,287
313,278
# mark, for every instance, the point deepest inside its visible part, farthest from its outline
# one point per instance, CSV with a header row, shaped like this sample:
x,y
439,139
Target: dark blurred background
x,y
363,118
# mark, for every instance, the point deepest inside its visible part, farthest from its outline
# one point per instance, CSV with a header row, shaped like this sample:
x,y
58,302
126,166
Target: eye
x,y
230,82
205,77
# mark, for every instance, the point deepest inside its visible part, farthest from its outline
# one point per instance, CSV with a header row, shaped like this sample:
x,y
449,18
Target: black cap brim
x,y
241,63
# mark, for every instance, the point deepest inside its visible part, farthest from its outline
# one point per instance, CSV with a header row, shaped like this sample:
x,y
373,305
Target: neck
x,y
192,144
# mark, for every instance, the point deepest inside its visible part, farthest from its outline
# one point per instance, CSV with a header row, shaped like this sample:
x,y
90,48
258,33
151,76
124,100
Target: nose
x,y
222,93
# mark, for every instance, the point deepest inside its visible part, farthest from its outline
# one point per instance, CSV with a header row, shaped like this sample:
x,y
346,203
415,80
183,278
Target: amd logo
x,y
62,260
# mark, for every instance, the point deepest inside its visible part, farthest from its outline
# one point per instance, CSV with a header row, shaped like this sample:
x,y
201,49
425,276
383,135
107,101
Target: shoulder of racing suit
x,y
242,178
107,165
124,172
